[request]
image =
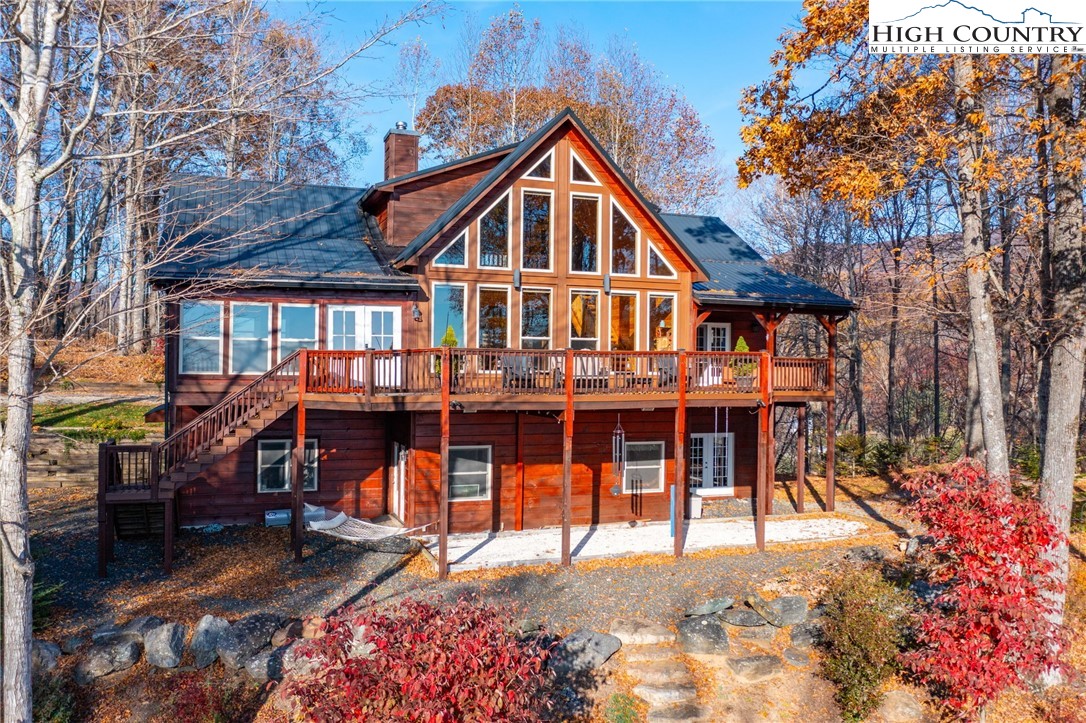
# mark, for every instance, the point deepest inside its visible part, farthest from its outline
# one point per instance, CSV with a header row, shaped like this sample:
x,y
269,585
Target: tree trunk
x,y
974,429
1067,292
891,351
982,323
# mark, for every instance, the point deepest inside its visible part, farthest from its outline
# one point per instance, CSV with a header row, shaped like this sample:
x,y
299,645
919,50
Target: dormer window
x,y
624,237
455,254
494,236
579,172
543,168
658,265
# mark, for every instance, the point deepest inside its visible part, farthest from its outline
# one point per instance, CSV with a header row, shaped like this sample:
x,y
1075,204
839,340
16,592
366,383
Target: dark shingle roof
x,y
738,275
270,234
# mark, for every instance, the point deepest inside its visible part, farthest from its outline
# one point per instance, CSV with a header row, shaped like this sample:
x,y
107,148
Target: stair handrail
x,y
213,424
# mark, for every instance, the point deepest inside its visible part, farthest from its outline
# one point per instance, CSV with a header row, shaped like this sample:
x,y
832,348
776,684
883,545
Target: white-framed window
x,y
544,169
644,467
712,464
537,220
448,304
662,321
535,319
470,473
492,331
455,254
364,327
274,468
578,170
624,326
658,265
714,337
201,338
584,233
494,235
584,319
250,338
625,243
298,328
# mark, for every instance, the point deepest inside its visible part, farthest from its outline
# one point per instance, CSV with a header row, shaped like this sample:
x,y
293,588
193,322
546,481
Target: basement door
x,y
712,464
368,327
399,480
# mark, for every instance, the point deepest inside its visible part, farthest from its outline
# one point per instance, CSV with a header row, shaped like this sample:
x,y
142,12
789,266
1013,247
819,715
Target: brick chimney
x,y
401,151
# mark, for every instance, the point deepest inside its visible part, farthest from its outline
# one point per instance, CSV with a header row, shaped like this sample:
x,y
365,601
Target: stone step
x,y
660,672
678,712
658,696
632,631
639,653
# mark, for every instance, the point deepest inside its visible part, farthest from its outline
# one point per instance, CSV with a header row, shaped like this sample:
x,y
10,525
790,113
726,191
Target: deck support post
x,y
771,459
567,462
801,455
443,493
297,458
168,523
760,482
104,533
518,504
681,489
831,412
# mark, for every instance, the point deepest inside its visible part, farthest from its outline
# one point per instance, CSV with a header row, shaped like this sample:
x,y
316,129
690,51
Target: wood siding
x,y
415,204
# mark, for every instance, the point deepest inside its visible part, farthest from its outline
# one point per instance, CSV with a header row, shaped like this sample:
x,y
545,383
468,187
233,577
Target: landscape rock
x,y
584,650
245,638
755,668
313,628
43,657
72,644
926,591
295,662
291,630
527,626
806,634
660,672
704,635
640,632
143,624
759,605
267,665
119,652
765,632
205,640
899,706
665,695
104,632
796,657
164,645
710,608
678,712
743,618
641,653
865,553
790,609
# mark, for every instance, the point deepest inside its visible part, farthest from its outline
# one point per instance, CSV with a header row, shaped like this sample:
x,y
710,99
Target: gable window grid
x,y
544,170
622,226
250,338
644,469
201,337
492,321
540,257
494,235
454,255
535,319
587,303
658,265
274,465
298,328
578,170
661,321
584,237
470,473
624,328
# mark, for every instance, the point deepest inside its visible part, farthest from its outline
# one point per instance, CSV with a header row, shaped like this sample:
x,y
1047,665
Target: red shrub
x,y
990,628
430,663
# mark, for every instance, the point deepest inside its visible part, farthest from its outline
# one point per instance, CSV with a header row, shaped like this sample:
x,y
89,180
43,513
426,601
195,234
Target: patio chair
x,y
590,372
519,372
667,371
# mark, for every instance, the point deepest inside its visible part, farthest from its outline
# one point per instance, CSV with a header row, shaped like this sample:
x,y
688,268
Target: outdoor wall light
x,y
416,312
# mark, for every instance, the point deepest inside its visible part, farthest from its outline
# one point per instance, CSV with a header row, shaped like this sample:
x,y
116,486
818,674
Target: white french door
x,y
399,480
368,327
712,464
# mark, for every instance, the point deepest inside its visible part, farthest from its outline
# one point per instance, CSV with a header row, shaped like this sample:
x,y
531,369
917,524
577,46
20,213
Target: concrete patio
x,y
536,547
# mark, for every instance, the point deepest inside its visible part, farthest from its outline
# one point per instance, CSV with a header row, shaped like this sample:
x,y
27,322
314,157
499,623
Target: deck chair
x,y
667,371
590,372
519,372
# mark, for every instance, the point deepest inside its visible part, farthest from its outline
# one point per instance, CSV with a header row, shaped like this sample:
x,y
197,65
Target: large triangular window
x,y
455,254
542,169
658,265
579,172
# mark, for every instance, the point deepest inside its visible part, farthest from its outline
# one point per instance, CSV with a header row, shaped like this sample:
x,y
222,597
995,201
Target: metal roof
x,y
259,232
738,275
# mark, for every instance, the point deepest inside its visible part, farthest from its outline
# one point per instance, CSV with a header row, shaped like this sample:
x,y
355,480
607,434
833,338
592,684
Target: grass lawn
x,y
96,421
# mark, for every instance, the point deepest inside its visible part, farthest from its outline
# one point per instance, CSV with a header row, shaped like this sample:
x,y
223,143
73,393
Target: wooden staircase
x,y
151,474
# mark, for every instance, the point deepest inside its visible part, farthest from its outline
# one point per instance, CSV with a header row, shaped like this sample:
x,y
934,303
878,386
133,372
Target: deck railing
x,y
128,468
800,374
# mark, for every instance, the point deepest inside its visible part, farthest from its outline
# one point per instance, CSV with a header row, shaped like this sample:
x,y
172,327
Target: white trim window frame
x,y
573,157
637,241
549,293
235,339
507,197
700,463
595,339
629,474
479,289
615,294
488,472
653,249
573,195
550,231
650,336
437,333
550,175
463,235
202,339
703,338
280,450
297,342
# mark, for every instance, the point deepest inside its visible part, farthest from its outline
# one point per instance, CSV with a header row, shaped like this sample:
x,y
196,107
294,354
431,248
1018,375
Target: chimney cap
x,y
401,126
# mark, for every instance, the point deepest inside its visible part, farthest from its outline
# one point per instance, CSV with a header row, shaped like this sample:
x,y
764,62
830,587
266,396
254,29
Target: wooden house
x,y
513,340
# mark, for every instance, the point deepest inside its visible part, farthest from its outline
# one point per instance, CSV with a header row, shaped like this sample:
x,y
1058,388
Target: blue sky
x,y
710,50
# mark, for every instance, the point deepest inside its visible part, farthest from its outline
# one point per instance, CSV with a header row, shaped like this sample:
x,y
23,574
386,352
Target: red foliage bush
x,y
991,626
429,663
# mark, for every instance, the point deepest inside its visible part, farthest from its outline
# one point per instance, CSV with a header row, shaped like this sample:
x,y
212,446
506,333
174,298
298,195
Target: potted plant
x,y
449,340
744,371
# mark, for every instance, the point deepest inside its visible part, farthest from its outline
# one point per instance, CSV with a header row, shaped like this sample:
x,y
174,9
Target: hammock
x,y
353,529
